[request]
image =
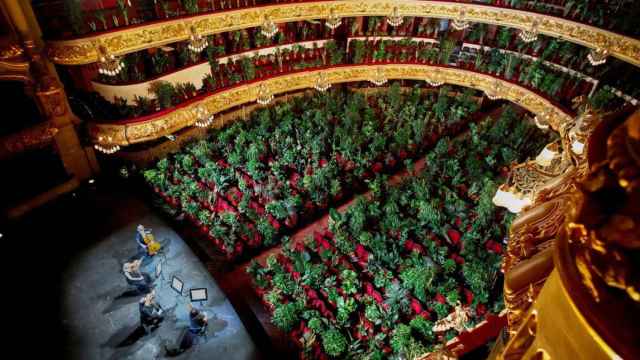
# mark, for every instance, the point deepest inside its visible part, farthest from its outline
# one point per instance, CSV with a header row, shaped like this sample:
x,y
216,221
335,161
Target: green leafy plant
x,y
286,316
333,342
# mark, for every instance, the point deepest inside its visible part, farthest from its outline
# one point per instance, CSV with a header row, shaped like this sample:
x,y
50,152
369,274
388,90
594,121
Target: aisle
x,y
238,287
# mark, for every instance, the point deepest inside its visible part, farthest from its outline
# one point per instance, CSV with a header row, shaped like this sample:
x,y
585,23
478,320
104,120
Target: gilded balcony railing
x,y
158,125
86,49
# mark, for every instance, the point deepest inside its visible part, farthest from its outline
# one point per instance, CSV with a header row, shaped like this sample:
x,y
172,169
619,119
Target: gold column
x,y
50,94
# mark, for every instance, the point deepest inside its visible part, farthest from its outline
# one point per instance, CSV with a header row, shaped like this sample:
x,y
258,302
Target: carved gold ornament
x,y
183,116
10,52
118,42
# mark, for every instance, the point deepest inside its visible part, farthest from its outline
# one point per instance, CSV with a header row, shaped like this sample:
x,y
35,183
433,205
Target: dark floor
x,y
66,259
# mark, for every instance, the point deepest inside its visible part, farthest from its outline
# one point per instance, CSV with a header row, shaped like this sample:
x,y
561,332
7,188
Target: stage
x,y
100,311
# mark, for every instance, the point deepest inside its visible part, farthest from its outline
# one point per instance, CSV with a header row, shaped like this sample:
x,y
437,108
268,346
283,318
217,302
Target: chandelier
x,y
542,120
598,56
435,79
264,95
203,118
268,28
460,23
197,43
493,93
322,84
110,65
105,145
333,21
530,35
395,19
379,78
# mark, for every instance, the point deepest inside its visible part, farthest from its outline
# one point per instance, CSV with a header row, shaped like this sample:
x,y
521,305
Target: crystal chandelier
x,y
493,93
268,28
322,84
530,35
395,19
110,65
105,145
460,23
197,43
264,95
598,56
542,120
379,78
333,21
434,82
203,118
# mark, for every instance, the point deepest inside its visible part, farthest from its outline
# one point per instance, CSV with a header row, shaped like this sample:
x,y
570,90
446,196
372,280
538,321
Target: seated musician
x,y
142,281
198,320
150,312
147,245
198,323
140,239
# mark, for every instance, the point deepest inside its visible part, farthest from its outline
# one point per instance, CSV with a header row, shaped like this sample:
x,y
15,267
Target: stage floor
x,y
101,316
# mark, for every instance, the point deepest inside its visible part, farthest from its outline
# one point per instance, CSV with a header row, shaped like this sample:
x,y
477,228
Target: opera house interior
x,y
322,179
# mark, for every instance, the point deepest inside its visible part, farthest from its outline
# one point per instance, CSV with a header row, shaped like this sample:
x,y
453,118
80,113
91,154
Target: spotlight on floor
x,y
91,181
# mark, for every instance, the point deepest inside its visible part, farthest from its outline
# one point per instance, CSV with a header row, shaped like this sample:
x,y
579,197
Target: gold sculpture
x,y
457,320
588,304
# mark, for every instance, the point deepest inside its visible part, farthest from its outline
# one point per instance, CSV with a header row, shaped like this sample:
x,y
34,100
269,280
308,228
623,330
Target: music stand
x,y
177,284
198,294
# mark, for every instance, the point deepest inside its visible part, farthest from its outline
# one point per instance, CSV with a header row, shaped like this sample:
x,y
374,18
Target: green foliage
x,y
346,306
164,93
478,276
333,342
418,279
404,344
397,297
350,282
286,316
602,98
423,326
75,14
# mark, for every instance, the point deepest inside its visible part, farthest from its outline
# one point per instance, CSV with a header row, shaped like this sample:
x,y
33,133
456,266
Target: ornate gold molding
x,y
118,42
184,115
29,138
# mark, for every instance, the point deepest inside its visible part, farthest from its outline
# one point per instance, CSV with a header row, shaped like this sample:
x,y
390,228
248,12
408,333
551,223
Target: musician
x,y
147,245
142,245
198,323
198,320
150,312
141,280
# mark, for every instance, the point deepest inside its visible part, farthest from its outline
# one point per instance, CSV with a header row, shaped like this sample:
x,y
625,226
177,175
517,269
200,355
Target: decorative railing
x,y
169,121
193,74
87,49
